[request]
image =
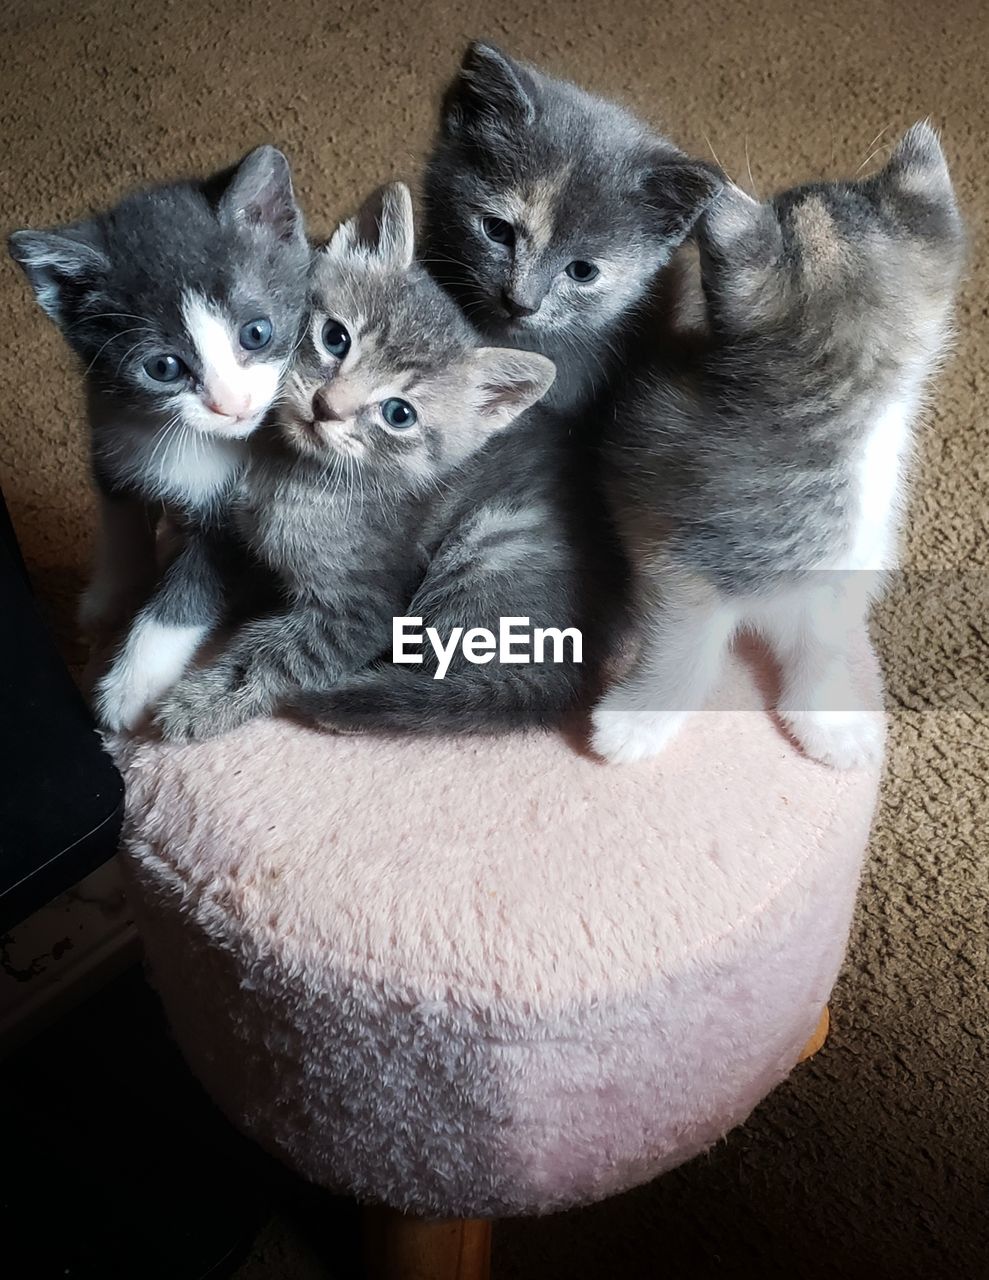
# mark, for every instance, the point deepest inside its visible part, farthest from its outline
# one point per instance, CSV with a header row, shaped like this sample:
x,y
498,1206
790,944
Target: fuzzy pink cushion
x,y
486,977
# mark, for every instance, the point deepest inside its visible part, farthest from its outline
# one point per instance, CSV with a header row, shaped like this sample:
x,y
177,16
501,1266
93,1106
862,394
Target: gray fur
x,y
759,487
580,179
335,503
824,304
522,531
115,284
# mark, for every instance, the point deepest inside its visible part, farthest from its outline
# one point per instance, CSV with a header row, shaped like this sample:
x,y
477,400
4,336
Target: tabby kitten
x,y
549,213
388,395
184,301
761,488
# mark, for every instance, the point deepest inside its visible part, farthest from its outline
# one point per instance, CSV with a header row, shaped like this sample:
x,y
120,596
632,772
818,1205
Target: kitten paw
x,y
152,659
623,736
124,697
842,739
201,706
120,703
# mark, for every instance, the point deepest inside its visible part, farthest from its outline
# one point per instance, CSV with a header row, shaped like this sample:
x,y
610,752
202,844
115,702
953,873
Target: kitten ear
x,y
737,226
490,90
259,193
740,244
508,382
678,190
60,264
917,164
384,228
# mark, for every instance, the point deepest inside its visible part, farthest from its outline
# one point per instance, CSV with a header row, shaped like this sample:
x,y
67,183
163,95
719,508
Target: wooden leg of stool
x,y
400,1247
817,1039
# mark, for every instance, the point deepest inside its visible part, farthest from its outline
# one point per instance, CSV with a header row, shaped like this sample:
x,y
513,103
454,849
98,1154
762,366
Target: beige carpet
x,y
873,1160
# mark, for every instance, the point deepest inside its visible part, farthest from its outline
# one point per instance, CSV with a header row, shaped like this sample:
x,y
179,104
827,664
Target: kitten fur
x,y
172,272
522,531
576,179
761,486
336,497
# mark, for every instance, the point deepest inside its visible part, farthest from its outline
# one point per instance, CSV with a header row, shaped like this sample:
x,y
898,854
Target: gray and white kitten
x,y
549,213
761,488
389,393
522,531
184,301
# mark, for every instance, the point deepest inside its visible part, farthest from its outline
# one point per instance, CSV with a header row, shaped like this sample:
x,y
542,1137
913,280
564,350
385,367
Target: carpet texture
x,y
872,1160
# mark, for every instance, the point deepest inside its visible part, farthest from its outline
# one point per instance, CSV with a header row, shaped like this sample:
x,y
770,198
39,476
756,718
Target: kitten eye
x,y
164,368
256,334
399,414
498,230
583,272
336,339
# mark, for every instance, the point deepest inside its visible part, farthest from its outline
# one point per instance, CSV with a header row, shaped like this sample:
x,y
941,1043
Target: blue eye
x,y
256,334
583,272
399,414
336,339
498,230
164,368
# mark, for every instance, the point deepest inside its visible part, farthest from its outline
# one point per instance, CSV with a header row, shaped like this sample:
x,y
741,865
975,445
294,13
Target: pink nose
x,y
227,403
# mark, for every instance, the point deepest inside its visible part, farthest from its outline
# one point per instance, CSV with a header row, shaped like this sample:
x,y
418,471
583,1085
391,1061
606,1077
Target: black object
x,y
61,798
116,1166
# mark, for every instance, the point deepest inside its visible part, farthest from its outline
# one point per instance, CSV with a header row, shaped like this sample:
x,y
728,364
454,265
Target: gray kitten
x,y
549,213
184,302
531,182
760,488
389,394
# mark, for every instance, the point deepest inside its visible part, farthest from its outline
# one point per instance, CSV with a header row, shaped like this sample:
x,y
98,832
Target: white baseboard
x,y
64,952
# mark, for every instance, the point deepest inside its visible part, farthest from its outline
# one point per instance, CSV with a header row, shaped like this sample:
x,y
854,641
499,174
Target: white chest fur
x,y
192,468
878,485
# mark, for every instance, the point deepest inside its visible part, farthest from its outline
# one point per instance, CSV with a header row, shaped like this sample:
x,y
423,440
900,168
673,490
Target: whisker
x,y
872,156
715,154
113,337
748,165
105,315
125,357
876,139
160,438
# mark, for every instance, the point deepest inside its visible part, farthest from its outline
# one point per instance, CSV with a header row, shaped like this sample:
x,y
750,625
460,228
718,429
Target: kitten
x,y
550,212
761,487
388,395
184,301
520,532
568,179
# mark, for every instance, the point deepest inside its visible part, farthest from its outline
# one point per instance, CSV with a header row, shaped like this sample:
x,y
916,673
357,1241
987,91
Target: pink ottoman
x,y
494,976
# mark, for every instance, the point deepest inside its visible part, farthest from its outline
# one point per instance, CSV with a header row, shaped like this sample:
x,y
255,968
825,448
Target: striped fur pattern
x,y
341,488
522,532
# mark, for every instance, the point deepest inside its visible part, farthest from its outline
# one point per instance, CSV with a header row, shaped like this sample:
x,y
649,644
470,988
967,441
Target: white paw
x,y
152,659
842,739
623,735
125,696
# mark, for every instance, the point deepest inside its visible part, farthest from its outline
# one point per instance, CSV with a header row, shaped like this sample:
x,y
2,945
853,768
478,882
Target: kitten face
x,y
389,375
184,301
866,262
549,210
